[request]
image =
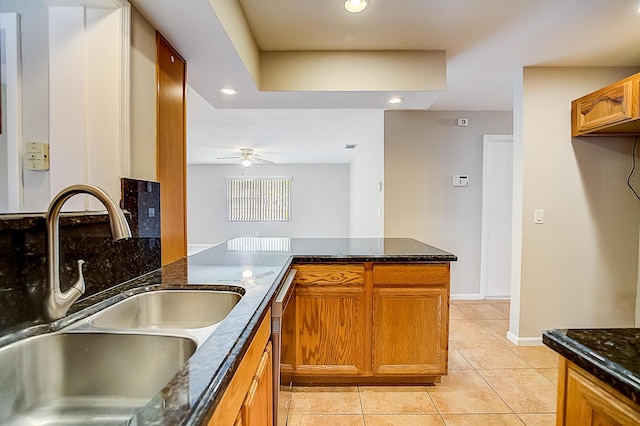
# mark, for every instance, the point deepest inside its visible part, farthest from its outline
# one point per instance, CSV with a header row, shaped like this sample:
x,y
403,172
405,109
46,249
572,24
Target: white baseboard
x,y
475,296
524,341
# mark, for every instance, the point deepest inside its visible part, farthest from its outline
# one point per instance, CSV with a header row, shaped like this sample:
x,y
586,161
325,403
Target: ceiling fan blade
x,y
228,158
262,160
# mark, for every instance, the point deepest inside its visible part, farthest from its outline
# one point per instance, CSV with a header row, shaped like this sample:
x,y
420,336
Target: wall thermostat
x,y
462,122
460,180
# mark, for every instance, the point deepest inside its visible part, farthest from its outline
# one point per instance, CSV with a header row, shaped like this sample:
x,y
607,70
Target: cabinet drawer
x,y
329,274
434,274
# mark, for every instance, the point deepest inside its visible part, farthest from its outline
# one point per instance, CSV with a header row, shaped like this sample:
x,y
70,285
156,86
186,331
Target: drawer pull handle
x,y
613,99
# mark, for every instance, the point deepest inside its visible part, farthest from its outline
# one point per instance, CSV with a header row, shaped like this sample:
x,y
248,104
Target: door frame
x,y
486,140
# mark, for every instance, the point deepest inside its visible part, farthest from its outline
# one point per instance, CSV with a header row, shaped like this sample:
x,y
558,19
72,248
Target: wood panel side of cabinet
x,y
587,401
171,151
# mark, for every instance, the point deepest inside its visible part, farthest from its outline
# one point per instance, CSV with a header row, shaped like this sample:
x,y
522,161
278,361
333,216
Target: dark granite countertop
x,y
255,267
611,354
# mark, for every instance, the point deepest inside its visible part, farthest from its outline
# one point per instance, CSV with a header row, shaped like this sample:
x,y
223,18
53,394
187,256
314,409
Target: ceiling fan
x,y
247,158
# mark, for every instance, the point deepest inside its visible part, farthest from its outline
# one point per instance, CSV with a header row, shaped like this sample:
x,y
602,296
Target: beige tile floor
x,y
490,382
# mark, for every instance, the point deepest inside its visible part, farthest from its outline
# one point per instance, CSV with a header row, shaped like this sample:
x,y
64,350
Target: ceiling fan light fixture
x,y
395,100
355,6
246,162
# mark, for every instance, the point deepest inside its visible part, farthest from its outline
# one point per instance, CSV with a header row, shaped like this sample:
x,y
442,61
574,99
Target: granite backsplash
x,y
86,236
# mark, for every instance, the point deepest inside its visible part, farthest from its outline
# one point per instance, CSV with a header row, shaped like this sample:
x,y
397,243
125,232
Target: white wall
x,y
88,100
143,98
366,170
75,96
579,269
4,178
422,152
35,91
319,202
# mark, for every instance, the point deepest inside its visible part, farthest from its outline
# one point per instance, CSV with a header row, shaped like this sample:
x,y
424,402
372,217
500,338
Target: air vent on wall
x,y
350,146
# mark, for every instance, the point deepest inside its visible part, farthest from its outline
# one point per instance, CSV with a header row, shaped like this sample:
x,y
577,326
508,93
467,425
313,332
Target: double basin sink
x,y
101,369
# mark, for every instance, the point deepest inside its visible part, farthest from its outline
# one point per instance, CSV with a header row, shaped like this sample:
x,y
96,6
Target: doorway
x,y
497,200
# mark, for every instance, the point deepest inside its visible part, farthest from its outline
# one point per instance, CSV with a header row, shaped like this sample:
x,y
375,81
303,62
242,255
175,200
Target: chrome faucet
x,y
57,302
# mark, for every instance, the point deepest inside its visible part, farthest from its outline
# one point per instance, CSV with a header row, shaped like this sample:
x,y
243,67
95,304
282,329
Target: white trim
x,y
10,22
524,341
484,241
125,89
471,296
516,213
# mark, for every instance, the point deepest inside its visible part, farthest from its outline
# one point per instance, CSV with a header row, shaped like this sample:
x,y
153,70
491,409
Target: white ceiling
x,y
487,42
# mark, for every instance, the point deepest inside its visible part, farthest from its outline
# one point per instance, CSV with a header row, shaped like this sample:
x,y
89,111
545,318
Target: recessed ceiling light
x,y
355,6
228,91
395,100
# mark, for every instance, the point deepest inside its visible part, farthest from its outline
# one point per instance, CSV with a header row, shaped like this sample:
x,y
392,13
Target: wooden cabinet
x,y
584,400
331,326
171,151
257,409
369,323
612,110
410,320
248,400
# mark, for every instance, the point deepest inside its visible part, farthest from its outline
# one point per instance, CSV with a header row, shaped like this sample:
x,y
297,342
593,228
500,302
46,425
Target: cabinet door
x,y
606,107
331,326
253,364
410,331
257,409
590,402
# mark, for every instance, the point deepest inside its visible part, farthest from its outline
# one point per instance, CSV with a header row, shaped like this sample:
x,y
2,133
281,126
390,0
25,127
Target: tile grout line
x,y
485,380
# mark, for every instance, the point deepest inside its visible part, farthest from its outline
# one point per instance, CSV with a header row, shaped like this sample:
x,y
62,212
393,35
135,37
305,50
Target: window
x,y
258,199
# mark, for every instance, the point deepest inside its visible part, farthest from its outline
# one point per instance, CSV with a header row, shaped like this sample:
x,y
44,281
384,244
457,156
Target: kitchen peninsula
x,y
258,265
256,269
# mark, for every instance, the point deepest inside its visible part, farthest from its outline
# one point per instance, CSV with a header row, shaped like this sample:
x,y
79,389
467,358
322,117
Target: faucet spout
x,y
57,302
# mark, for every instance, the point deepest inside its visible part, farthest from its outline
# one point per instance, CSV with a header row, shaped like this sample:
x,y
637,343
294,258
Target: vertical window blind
x,y
258,199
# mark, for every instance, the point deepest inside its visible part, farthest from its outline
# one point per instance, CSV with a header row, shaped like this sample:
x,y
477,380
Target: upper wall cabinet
x,y
610,111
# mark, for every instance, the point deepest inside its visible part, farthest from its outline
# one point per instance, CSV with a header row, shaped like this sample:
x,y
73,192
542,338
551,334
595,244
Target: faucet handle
x,y
79,284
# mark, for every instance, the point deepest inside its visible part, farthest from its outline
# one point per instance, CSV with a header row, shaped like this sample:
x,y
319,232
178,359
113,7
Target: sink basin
x,y
85,378
164,309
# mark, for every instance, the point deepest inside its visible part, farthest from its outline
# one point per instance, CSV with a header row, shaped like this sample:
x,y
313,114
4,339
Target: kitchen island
x,y
256,269
599,375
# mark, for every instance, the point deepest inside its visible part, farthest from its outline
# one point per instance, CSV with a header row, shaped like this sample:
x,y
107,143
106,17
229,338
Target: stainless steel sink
x,y
85,378
168,309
